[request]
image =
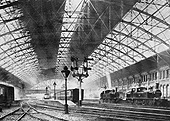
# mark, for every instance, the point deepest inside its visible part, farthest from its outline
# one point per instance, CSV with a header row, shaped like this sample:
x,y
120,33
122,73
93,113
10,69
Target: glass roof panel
x,y
15,52
142,33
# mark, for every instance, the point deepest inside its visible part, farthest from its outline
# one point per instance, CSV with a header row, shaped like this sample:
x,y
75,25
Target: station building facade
x,y
148,72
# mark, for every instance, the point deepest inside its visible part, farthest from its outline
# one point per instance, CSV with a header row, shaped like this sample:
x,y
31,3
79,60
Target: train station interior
x,y
88,60
105,44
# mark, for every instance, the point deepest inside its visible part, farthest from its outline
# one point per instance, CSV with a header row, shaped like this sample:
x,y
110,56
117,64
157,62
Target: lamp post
x,y
54,91
79,73
65,72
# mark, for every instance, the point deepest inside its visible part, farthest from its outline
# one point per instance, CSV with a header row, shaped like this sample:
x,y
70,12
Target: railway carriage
x,y
72,94
6,95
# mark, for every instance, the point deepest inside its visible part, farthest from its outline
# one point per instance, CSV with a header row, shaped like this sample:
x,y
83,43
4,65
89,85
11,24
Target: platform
x,y
58,102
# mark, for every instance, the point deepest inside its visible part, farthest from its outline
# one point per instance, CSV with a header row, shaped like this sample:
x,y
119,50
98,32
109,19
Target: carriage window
x,y
1,91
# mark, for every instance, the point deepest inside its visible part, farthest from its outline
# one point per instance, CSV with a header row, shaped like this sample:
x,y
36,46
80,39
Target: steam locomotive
x,y
111,96
144,96
139,96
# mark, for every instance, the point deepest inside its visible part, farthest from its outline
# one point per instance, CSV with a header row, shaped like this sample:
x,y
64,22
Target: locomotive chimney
x,y
116,89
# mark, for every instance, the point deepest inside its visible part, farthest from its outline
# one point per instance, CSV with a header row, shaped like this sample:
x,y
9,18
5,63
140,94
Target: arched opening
x,y
161,89
167,90
164,91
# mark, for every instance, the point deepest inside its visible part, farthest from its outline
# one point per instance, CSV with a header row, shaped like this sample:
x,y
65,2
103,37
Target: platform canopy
x,y
38,37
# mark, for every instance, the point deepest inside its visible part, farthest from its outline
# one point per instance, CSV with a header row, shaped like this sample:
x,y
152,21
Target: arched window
x,y
161,89
167,90
164,91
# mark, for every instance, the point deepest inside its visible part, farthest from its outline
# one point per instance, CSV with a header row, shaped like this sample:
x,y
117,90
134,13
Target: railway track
x,y
124,114
16,115
45,115
8,114
150,109
28,113
118,113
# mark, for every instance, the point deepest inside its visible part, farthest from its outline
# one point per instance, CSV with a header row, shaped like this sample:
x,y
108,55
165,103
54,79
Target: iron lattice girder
x,y
153,17
126,46
23,54
133,39
114,55
9,20
5,51
14,45
100,26
44,21
14,40
152,35
128,36
25,62
110,68
112,48
149,16
98,73
11,31
17,68
9,4
26,59
101,69
111,60
17,62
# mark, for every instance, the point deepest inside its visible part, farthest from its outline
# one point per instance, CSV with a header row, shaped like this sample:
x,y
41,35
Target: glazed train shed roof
x,y
38,37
